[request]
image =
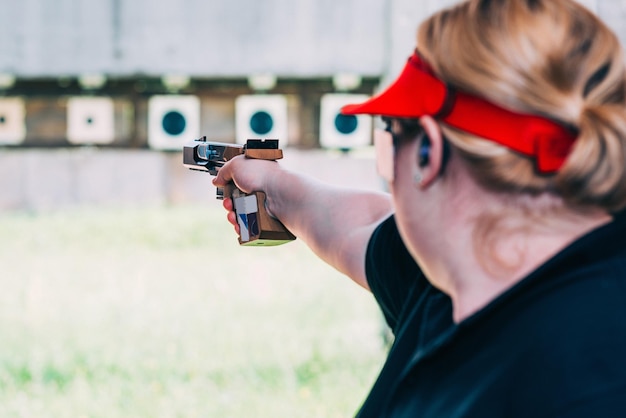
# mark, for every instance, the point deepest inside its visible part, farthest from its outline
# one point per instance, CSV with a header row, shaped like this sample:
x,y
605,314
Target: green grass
x,y
159,313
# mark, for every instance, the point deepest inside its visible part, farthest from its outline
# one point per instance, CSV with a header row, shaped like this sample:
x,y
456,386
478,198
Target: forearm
x,y
334,222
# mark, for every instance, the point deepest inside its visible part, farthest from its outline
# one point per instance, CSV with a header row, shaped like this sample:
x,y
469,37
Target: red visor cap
x,y
417,92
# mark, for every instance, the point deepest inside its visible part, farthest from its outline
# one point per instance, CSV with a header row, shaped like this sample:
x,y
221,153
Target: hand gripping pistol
x,y
257,227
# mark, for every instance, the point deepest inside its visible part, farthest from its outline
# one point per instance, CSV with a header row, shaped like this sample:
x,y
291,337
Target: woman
x,y
502,271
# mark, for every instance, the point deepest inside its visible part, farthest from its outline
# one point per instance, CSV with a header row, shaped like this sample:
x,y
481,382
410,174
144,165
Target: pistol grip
x,y
256,226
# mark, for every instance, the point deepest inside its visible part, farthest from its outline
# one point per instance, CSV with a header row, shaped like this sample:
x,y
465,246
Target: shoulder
x,y
573,341
393,276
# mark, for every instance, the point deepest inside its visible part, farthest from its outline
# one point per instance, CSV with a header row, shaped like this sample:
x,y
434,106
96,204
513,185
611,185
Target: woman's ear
x,y
430,151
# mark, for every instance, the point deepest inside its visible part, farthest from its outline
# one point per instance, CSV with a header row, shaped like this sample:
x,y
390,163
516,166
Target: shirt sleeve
x,y
394,278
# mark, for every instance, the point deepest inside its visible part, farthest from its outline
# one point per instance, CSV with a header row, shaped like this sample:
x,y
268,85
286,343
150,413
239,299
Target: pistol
x,y
257,227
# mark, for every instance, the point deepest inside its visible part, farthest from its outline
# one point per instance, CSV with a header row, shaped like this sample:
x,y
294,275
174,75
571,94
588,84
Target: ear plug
x,y
424,152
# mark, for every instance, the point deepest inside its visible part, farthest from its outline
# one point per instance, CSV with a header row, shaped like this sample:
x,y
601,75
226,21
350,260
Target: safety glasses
x,y
385,153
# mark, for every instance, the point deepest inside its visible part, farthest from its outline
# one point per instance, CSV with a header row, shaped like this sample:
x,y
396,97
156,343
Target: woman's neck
x,y
496,245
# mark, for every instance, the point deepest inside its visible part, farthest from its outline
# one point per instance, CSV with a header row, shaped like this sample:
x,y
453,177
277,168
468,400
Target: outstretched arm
x,y
336,223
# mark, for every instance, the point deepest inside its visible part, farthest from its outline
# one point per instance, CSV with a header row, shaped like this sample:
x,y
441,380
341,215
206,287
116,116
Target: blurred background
x,y
124,291
103,94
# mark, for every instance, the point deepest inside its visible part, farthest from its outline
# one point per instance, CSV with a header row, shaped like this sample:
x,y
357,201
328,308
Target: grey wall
x,y
56,37
42,180
219,38
209,39
206,38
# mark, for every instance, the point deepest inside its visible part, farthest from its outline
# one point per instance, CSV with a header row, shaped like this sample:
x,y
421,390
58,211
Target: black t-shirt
x,y
554,345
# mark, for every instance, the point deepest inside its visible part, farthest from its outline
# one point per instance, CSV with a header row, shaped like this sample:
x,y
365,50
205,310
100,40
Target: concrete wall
x,y
217,38
52,179
211,39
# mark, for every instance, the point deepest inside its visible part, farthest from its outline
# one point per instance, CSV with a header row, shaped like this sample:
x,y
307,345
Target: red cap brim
x,y
414,94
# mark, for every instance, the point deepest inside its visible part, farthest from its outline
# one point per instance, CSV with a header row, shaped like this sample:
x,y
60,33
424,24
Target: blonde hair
x,y
548,57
